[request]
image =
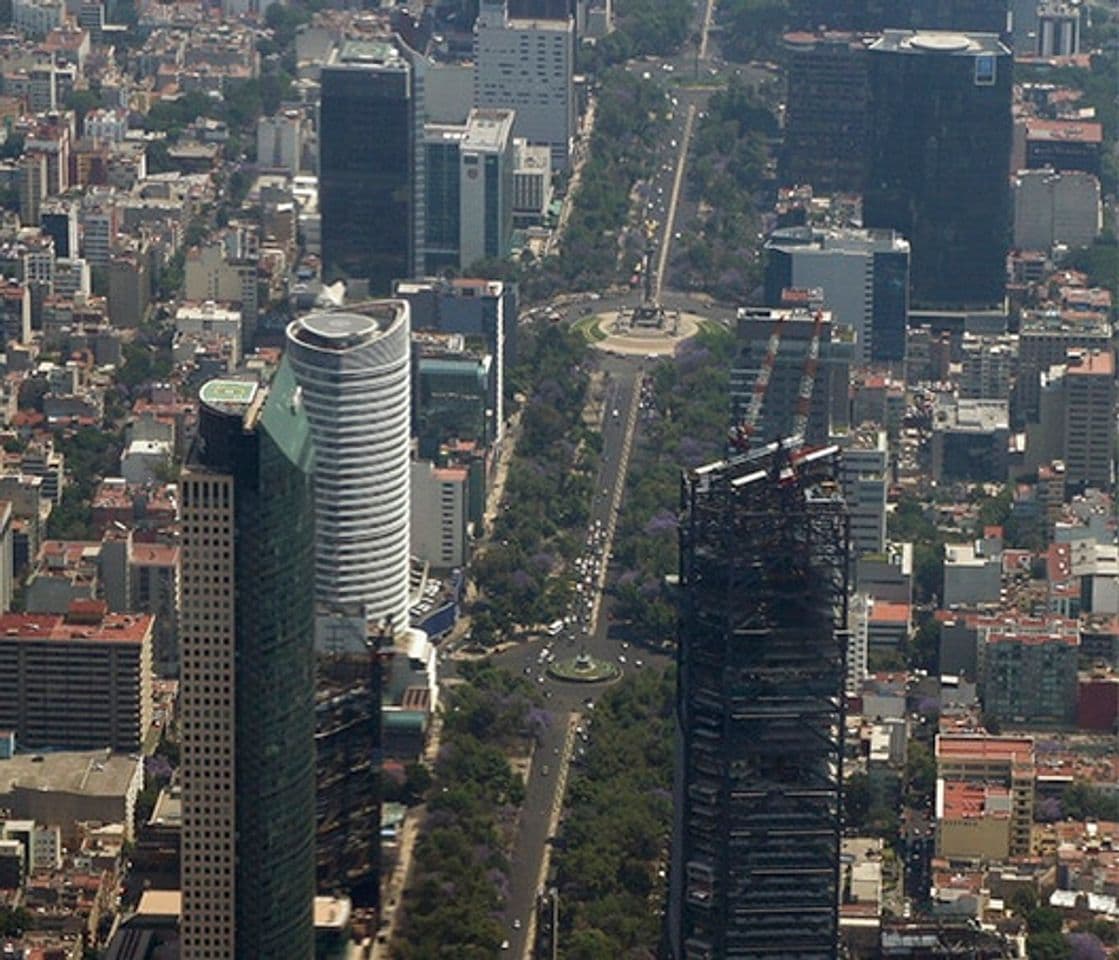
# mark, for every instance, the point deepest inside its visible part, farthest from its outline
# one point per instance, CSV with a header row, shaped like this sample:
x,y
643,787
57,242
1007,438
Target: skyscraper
x,y
367,130
248,757
354,369
826,115
940,137
759,708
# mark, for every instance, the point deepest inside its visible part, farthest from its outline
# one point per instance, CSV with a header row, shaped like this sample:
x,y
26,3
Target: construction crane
x,y
808,377
741,434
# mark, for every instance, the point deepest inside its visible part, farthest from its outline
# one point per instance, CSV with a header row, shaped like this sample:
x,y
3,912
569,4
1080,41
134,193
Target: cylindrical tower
x,y
354,368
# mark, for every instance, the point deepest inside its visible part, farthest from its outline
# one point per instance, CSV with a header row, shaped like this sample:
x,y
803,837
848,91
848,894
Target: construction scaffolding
x,y
760,707
348,778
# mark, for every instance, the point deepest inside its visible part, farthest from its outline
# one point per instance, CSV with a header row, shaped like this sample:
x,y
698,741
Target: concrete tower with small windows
x,y
247,677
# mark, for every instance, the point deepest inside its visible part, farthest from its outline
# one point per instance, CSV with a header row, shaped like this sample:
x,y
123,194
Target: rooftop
x,y
341,331
88,772
962,801
1020,749
1072,131
1090,363
939,42
75,627
488,129
228,396
883,611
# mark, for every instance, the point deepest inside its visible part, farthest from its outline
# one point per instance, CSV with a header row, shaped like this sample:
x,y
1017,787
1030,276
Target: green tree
x,y
1044,920
1047,946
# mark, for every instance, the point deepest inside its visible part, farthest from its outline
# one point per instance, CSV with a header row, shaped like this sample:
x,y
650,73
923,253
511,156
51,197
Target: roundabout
x,y
640,332
583,668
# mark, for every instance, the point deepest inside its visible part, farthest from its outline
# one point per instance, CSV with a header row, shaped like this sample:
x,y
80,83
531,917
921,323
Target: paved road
x,y
566,702
570,705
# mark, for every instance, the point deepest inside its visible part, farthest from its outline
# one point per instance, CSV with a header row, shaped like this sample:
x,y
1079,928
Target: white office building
x,y
863,275
354,370
527,66
865,479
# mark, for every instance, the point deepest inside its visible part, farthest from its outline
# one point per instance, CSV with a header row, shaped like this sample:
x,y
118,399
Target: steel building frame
x,y
760,706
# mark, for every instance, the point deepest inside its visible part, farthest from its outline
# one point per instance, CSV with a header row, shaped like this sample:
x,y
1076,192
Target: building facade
x,y
528,66
863,274
826,112
355,372
771,372
1029,671
79,681
247,680
468,195
940,135
367,195
759,760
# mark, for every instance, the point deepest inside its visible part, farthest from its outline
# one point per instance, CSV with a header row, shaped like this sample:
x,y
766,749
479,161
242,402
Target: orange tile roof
x,y
885,611
111,628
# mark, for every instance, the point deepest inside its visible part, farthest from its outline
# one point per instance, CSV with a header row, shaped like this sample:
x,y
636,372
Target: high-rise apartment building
x,y
761,672
1089,418
865,477
367,130
247,680
356,378
940,138
1029,670
863,275
987,365
1044,339
790,375
528,66
826,112
79,681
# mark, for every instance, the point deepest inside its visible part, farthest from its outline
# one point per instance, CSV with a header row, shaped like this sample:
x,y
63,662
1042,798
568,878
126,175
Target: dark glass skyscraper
x,y
366,165
759,706
248,860
940,136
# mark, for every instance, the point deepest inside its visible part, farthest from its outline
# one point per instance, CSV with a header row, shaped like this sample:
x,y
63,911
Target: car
x,y
639,664
545,770
621,658
517,924
504,944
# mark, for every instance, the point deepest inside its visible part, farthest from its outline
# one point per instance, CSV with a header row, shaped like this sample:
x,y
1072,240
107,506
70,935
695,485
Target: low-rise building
x,y
970,440
972,821
67,788
1006,762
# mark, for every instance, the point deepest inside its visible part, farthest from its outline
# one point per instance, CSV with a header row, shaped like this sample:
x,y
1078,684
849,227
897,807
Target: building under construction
x,y
348,784
761,664
791,374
